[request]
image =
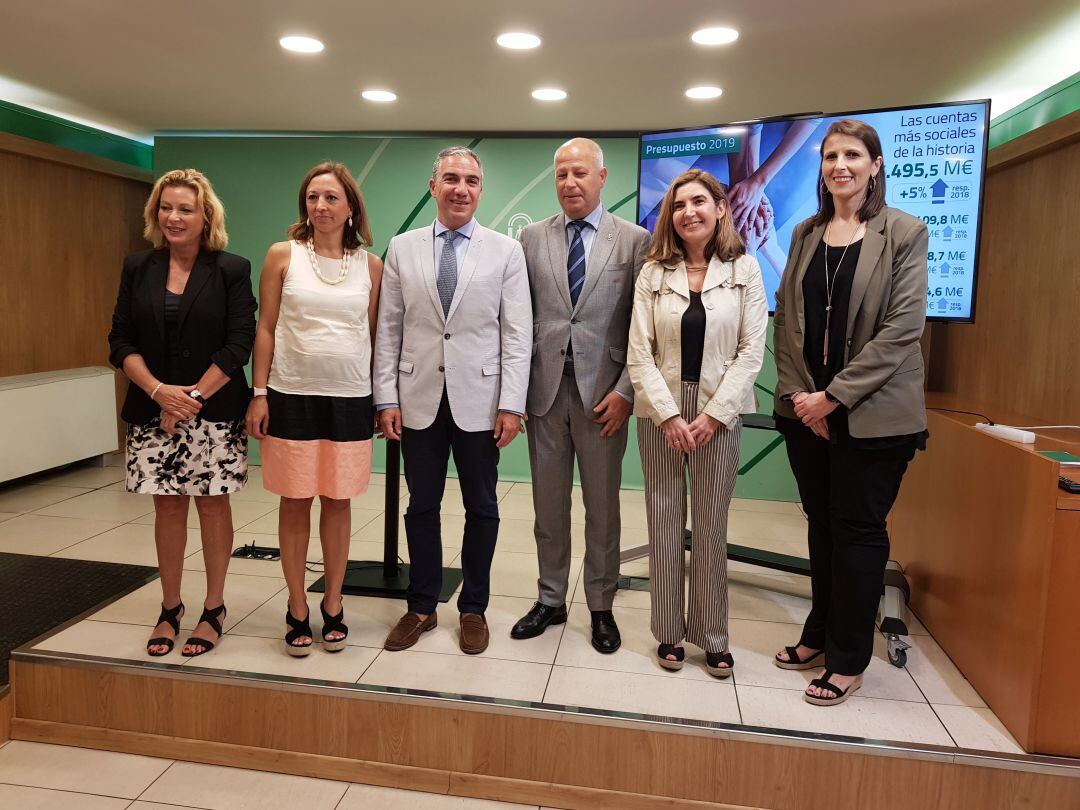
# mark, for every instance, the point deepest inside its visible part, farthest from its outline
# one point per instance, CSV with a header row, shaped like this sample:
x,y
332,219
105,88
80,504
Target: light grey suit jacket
x,y
882,380
599,323
479,351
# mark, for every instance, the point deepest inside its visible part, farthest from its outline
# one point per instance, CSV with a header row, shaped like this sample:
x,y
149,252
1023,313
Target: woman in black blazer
x,y
182,331
849,396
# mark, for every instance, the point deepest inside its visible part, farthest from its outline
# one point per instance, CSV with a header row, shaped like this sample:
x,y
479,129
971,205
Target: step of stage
x,y
504,750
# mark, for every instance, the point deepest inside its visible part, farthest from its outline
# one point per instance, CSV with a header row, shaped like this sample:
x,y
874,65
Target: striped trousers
x,y
712,470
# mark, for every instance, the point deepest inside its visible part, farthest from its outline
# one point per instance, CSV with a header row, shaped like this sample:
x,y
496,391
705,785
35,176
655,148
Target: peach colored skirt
x,y
305,468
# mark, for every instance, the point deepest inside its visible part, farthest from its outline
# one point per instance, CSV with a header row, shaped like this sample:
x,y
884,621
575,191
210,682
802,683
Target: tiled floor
x,y
86,514
44,777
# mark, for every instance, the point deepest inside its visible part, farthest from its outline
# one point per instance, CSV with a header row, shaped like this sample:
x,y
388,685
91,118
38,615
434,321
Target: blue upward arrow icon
x,y
939,190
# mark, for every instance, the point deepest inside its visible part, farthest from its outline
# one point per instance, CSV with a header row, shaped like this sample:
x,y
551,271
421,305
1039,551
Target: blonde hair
x,y
214,236
667,246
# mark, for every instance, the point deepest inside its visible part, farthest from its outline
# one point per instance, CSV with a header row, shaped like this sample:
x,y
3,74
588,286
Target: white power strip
x,y
1010,434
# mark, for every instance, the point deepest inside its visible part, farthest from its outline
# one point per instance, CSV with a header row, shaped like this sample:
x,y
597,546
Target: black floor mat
x,y
40,593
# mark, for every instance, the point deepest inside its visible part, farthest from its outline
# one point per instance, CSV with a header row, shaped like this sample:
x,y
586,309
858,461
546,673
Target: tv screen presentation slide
x,y
934,160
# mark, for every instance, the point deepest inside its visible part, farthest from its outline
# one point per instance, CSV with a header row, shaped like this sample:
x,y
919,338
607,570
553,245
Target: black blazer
x,y
216,325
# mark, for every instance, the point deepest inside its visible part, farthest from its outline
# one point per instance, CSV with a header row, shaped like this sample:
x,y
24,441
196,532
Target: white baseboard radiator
x,y
54,418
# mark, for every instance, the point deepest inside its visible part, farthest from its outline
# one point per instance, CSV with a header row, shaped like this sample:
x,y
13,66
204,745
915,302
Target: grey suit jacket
x,y
599,323
881,383
479,351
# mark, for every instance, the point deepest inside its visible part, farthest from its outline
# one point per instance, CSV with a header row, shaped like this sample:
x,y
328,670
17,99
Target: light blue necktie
x,y
447,280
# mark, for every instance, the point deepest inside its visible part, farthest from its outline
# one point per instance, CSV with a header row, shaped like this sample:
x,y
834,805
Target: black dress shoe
x,y
536,621
605,633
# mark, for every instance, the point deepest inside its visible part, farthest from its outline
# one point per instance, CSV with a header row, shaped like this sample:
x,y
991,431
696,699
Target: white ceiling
x,y
146,66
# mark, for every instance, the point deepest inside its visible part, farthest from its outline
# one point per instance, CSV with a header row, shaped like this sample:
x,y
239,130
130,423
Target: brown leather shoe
x,y
474,633
407,631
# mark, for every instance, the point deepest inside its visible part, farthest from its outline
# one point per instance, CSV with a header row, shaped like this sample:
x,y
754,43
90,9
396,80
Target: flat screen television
x,y
934,167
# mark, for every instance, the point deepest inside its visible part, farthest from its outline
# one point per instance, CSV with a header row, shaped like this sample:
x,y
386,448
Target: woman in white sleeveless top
x,y
313,408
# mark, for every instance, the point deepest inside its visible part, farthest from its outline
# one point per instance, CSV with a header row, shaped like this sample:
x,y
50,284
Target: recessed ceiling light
x,y
704,92
379,95
715,36
301,44
518,41
549,94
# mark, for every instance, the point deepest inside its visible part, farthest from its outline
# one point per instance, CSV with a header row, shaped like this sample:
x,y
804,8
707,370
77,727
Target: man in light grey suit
x,y
582,267
451,374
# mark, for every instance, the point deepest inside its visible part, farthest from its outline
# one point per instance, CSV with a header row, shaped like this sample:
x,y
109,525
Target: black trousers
x,y
426,453
847,492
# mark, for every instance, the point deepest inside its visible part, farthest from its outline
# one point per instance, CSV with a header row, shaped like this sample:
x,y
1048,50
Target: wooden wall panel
x,y
1016,354
64,231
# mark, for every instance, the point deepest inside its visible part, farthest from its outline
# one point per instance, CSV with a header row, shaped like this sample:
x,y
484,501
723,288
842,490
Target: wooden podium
x,y
992,547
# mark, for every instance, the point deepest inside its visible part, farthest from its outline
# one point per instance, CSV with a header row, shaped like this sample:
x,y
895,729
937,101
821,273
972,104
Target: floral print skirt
x,y
201,458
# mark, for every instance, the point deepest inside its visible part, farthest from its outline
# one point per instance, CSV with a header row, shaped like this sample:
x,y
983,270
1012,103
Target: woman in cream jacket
x,y
697,338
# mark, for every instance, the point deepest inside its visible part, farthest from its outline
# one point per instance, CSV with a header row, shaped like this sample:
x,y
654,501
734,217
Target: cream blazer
x,y
736,316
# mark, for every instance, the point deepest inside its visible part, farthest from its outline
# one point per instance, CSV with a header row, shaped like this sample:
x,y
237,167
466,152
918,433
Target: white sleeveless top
x,y
322,343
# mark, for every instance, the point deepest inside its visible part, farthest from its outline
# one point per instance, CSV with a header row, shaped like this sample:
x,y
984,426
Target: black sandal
x,y
794,662
298,630
213,618
170,616
664,650
840,694
333,624
713,662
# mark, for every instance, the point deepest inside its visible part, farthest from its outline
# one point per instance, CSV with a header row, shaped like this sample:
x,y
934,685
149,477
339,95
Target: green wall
x,y
258,179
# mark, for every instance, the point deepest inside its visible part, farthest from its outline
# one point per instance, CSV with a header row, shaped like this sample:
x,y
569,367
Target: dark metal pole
x,y
390,509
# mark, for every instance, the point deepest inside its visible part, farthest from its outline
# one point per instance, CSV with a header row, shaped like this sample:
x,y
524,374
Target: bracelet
x,y
154,394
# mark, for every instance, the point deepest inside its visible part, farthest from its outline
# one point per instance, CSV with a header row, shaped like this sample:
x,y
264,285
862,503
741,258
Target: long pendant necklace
x,y
831,283
314,259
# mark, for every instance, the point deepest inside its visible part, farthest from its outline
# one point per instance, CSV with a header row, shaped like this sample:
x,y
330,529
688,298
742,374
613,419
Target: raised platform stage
x,y
508,750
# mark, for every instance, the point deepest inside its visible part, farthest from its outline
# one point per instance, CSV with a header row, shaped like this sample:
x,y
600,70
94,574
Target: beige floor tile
x,y
7,516
459,674
37,534
267,522
453,528
92,477
15,797
637,653
754,643
776,507
515,574
267,656
243,595
502,613
369,618
632,509
771,531
82,770
868,718
369,797
977,729
28,497
103,505
242,565
115,459
658,695
938,678
518,505
747,601
109,640
217,788
129,543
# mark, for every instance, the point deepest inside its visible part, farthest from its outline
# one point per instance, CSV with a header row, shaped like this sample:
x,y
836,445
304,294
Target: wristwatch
x,y
259,392
196,395
833,399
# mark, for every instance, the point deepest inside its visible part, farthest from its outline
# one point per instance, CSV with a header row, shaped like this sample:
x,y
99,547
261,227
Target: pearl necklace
x,y
314,259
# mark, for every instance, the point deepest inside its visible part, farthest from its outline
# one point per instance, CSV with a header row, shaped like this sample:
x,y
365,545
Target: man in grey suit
x,y
582,267
451,374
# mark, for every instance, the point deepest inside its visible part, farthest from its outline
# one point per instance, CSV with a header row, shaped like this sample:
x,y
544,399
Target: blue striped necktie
x,y
575,261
